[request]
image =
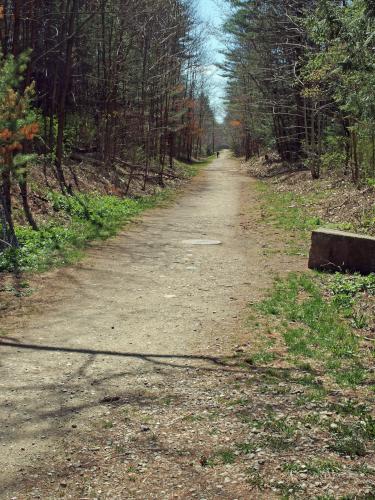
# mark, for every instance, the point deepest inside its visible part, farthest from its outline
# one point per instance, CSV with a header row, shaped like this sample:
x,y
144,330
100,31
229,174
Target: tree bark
x,y
25,202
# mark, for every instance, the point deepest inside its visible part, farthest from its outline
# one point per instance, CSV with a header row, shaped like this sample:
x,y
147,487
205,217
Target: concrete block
x,y
333,250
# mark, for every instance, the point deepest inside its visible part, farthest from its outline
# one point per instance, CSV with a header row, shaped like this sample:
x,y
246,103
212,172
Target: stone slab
x,y
333,250
202,242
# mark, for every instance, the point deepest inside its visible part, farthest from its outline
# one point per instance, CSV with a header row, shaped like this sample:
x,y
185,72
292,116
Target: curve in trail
x,y
140,303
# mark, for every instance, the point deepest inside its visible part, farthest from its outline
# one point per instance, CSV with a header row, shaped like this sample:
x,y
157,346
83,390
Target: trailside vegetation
x,y
301,82
117,84
75,222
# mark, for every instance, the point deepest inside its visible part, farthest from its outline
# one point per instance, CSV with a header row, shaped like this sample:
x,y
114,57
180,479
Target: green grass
x,y
352,438
278,433
356,496
345,288
277,443
78,220
280,426
314,395
349,446
313,319
350,407
220,457
288,211
364,469
107,424
262,357
314,467
189,170
313,327
193,418
22,289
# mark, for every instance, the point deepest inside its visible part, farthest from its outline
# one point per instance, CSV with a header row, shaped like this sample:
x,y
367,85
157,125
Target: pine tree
x,y
18,125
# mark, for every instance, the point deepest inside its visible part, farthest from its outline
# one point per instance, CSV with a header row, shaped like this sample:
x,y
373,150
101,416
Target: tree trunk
x,y
9,235
63,96
25,202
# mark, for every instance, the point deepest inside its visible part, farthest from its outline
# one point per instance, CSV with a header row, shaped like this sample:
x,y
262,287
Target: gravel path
x,y
142,315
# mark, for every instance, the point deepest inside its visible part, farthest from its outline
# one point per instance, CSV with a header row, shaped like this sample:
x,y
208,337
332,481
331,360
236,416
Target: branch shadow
x,y
51,411
143,356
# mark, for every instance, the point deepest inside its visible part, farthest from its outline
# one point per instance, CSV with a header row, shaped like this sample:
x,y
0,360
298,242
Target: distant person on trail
x,y
218,154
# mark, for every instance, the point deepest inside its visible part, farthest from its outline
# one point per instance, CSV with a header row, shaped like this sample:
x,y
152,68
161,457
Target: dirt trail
x,y
137,312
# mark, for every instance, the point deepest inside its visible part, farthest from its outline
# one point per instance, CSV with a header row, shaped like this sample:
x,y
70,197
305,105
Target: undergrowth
x,y
78,220
193,168
288,210
295,213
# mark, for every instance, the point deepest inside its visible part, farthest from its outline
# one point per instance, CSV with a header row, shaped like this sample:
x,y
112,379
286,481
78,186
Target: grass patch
x,y
276,374
313,320
188,170
308,380
345,289
313,327
280,426
317,315
249,419
313,395
277,443
290,212
364,469
310,419
314,467
350,407
288,490
221,457
255,479
193,418
356,496
261,358
350,445
351,439
107,424
22,289
237,402
280,433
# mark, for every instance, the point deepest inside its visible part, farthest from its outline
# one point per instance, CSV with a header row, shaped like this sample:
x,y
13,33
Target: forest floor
x,y
141,372
332,200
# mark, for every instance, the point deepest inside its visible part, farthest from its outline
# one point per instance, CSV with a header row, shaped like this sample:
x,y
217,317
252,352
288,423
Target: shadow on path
x,y
143,356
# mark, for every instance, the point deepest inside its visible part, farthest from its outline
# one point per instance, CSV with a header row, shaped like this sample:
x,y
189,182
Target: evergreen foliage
x,y
302,80
17,126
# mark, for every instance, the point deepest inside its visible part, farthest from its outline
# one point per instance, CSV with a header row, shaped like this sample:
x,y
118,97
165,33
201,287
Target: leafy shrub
x,y
344,287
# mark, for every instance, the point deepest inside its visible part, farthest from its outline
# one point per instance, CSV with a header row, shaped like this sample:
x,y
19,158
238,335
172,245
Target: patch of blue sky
x,y
212,13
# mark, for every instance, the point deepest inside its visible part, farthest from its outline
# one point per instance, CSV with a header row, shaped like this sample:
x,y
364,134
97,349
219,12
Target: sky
x,y
212,14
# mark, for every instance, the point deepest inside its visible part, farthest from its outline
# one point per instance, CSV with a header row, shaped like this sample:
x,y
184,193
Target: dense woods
x,y
115,82
301,81
122,85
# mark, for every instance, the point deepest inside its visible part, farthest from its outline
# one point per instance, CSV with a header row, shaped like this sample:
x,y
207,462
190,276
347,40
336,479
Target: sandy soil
x,y
146,312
